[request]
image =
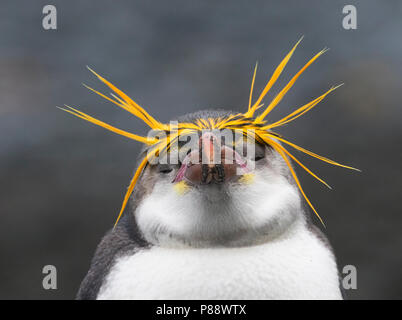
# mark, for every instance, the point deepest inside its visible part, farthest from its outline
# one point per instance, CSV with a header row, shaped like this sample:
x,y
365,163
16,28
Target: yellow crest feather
x,y
241,121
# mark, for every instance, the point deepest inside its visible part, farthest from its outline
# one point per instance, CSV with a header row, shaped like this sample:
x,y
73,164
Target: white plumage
x,y
294,266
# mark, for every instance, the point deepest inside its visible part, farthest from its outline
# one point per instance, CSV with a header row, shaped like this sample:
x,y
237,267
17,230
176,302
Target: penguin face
x,y
216,194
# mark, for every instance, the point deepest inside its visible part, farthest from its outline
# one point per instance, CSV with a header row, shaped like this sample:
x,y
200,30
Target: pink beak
x,y
211,163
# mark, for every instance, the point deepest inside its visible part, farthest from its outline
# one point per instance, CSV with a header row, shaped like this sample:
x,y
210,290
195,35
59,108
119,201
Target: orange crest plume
x,y
241,121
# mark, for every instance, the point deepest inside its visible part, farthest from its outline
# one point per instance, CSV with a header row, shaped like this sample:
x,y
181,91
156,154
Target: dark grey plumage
x,y
125,238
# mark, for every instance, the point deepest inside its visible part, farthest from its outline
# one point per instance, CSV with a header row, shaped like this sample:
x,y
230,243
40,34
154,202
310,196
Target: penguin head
x,y
223,190
197,184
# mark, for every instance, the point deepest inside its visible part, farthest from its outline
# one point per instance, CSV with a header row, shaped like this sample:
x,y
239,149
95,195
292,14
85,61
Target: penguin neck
x,y
260,237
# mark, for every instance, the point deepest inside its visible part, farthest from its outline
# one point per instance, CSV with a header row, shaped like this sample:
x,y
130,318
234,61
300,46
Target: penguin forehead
x,y
205,114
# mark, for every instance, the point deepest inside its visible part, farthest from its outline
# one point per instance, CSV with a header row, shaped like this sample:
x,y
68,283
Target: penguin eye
x,y
257,158
164,168
259,152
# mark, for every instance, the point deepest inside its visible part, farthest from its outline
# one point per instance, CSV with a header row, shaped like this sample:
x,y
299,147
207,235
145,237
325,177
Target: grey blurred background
x,y
63,180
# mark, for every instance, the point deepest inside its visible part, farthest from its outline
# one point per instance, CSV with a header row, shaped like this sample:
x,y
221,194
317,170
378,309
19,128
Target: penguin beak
x,y
211,163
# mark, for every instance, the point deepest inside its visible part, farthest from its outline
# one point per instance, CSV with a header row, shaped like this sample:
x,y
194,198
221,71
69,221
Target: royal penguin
x,y
220,222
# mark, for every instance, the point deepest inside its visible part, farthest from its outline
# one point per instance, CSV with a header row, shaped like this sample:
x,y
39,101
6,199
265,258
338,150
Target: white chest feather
x,y
297,266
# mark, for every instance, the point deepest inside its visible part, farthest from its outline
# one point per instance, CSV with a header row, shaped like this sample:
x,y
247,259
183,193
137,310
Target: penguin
x,y
220,239
220,214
